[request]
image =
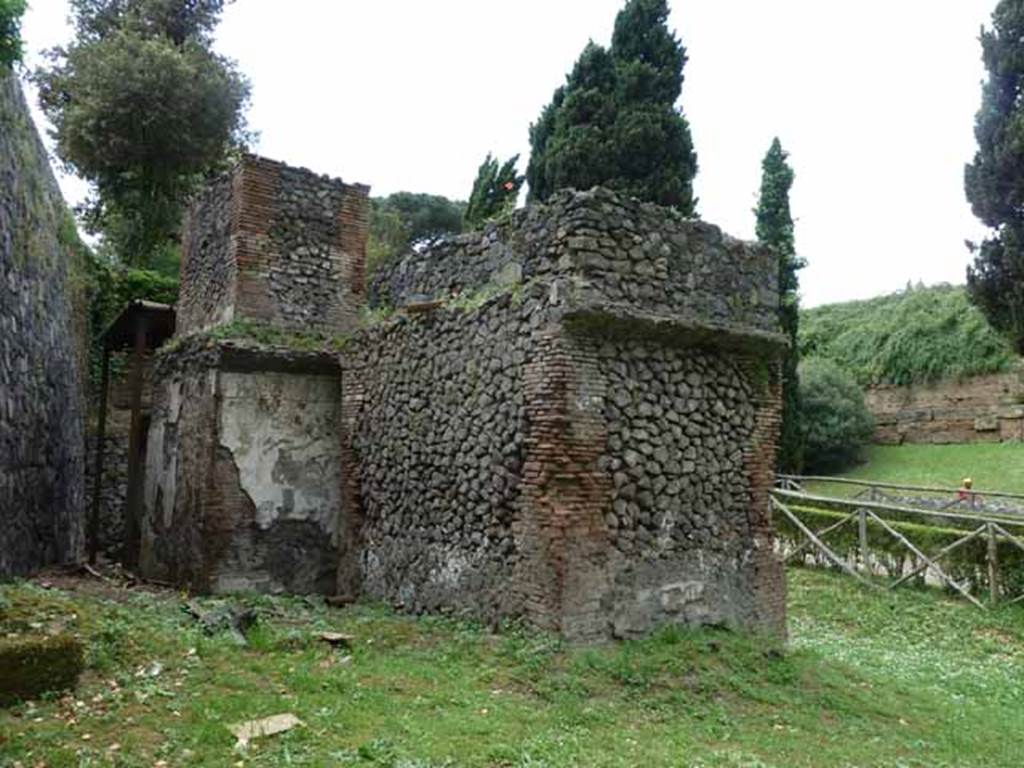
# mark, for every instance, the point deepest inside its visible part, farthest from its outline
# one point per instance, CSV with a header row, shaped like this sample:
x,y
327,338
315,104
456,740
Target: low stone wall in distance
x,y
982,409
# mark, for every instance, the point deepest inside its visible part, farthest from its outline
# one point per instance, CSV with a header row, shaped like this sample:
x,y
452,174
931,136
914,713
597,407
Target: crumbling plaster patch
x,y
281,429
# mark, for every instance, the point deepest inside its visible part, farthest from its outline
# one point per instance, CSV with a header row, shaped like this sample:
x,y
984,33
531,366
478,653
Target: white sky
x,y
874,100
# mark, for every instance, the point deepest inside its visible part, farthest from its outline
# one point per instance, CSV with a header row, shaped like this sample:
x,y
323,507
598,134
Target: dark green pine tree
x,y
615,121
775,229
495,191
994,182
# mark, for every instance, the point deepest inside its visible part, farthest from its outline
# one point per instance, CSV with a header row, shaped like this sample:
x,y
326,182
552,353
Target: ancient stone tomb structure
x,y
570,416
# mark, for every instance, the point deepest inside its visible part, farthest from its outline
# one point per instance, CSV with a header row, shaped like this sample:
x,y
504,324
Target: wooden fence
x,y
976,553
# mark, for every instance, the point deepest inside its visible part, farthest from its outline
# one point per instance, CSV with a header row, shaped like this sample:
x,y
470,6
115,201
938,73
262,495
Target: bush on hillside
x,y
914,336
836,422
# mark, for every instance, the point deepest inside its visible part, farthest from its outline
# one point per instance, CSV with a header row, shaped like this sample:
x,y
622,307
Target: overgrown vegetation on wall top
x,y
913,336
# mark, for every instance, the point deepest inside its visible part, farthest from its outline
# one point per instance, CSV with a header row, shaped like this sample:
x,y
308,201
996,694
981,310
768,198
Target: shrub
x,y
836,422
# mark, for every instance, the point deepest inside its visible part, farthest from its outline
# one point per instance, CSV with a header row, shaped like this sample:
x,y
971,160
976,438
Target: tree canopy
x,y
144,109
994,181
11,12
775,229
495,191
405,220
615,122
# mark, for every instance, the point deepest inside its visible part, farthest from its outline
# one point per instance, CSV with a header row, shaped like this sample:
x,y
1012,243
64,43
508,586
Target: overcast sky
x,y
874,100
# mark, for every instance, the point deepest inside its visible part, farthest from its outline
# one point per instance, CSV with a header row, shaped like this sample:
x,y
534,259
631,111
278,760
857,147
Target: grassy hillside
x,y
917,335
870,679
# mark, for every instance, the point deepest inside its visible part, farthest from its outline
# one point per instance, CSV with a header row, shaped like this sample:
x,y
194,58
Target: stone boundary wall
x,y
278,245
609,251
242,480
42,440
982,409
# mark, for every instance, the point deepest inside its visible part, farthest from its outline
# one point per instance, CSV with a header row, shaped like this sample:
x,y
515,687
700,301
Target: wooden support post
x,y
993,564
132,539
862,534
922,556
825,550
101,439
820,534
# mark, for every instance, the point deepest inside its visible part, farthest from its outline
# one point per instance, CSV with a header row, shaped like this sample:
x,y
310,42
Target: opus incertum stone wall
x,y
41,411
585,436
274,244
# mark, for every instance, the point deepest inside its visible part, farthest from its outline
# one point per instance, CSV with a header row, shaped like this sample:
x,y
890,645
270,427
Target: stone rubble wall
x,y
278,245
42,441
981,409
620,254
114,487
502,463
243,472
434,425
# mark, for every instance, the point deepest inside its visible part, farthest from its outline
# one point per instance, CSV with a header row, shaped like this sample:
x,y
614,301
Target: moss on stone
x,y
266,335
32,665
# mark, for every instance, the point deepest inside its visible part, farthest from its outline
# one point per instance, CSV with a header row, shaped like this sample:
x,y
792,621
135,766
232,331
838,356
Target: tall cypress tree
x,y
494,192
775,229
994,182
615,120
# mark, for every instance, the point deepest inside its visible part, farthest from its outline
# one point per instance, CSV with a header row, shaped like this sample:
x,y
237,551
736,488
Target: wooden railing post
x,y
862,531
993,564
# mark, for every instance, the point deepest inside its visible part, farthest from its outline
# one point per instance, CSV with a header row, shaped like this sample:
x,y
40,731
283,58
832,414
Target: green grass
x,y
992,466
869,679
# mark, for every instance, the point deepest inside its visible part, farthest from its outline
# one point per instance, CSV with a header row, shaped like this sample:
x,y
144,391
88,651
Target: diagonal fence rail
x,y
887,545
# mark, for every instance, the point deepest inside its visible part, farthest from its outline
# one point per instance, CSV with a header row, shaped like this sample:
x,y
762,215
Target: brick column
x,y
561,529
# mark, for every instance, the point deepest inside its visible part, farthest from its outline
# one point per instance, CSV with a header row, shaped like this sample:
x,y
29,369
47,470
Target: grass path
x,y
869,679
992,466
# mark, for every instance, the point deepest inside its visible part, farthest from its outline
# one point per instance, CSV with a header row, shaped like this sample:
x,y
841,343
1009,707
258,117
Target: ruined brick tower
x,y
243,463
277,245
570,416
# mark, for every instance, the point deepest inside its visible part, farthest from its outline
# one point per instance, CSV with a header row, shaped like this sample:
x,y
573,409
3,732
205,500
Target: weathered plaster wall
x,y
243,475
982,409
41,412
274,244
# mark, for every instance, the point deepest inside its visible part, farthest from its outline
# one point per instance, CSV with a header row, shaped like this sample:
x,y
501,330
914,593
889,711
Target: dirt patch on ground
x,y
107,581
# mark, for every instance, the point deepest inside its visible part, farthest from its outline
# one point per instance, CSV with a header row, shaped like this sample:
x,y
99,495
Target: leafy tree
x,y
11,12
495,191
143,109
835,421
994,182
775,229
407,220
615,120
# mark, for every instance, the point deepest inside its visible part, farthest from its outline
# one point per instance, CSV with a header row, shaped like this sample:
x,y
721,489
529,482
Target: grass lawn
x,y
868,679
992,466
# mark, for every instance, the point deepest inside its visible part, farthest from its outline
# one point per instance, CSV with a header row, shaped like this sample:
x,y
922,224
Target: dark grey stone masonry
x,y
41,418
